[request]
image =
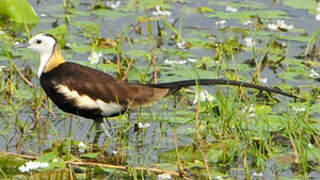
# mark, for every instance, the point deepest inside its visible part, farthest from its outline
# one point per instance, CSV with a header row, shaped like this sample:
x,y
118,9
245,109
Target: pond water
x,y
199,29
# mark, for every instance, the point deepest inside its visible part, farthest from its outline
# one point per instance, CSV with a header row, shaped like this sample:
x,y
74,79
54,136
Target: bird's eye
x,y
39,41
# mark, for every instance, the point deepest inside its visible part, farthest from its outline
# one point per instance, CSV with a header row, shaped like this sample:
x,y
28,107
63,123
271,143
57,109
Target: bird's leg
x,y
102,127
99,128
107,122
93,126
97,131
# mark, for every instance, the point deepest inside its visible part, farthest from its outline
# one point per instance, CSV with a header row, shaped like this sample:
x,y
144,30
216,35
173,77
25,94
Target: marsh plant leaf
x,y
57,164
286,36
198,42
269,123
293,75
205,9
220,152
314,153
87,26
48,157
53,174
180,116
80,48
134,5
262,110
239,4
174,52
316,122
9,165
137,53
244,15
60,33
109,13
24,94
20,11
309,5
135,74
91,155
183,73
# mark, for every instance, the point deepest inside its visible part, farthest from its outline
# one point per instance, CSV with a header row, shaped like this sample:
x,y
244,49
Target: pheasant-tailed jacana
x,y
93,94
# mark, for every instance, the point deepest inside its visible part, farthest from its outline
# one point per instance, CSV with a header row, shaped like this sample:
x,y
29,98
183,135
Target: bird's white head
x,y
44,44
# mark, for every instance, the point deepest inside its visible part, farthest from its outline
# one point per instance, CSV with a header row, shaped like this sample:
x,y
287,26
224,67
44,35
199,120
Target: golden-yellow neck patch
x,y
55,59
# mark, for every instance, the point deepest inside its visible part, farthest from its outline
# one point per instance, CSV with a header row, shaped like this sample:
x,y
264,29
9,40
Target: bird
x,y
93,94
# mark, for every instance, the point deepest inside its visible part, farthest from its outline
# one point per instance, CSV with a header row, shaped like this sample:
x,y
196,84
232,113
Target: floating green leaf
x,y
90,155
109,13
254,5
20,11
244,15
309,5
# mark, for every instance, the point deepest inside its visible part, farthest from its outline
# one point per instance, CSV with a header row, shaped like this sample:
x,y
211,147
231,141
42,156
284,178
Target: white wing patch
x,y
84,101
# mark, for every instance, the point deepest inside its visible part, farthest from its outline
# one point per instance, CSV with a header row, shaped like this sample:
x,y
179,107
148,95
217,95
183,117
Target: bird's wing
x,y
100,86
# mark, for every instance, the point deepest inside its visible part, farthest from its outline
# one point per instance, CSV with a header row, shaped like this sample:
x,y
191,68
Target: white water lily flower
x,y
167,61
113,5
273,27
217,62
164,176
203,96
2,68
318,17
43,15
296,109
94,57
23,169
33,165
221,23
231,9
263,80
257,174
181,44
310,145
282,25
192,60
247,23
159,12
143,126
250,110
82,147
249,42
283,44
182,62
314,74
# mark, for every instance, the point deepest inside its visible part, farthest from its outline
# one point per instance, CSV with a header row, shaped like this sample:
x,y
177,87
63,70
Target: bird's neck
x,y
50,61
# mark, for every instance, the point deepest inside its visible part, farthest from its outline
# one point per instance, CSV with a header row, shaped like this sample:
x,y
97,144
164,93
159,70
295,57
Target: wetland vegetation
x,y
204,132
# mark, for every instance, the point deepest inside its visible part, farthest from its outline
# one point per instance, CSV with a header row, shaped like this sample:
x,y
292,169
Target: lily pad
x,y
244,15
309,5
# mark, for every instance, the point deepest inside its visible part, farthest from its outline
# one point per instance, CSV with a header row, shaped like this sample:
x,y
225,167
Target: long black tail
x,y
175,86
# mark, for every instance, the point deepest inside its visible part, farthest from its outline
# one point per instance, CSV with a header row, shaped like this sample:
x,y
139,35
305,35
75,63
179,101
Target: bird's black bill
x,y
21,45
